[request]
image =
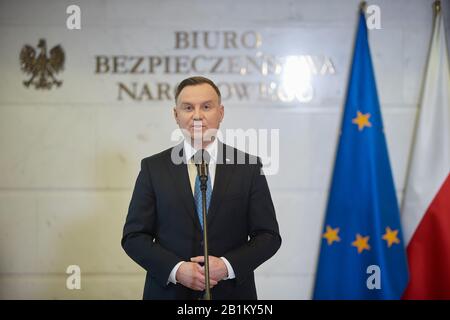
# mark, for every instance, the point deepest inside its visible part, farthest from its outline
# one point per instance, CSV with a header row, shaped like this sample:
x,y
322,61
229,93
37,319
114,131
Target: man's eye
x,y
188,108
206,106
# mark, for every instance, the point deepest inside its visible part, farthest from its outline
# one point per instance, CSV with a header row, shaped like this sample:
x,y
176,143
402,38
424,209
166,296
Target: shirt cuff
x,y
231,274
173,273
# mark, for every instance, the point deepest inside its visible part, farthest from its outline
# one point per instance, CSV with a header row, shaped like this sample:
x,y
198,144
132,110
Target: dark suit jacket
x,y
162,227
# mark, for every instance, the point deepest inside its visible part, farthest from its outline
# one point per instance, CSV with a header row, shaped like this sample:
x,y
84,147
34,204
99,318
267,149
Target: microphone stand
x,y
203,175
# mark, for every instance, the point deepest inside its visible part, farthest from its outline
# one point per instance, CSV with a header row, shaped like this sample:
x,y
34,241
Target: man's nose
x,y
198,114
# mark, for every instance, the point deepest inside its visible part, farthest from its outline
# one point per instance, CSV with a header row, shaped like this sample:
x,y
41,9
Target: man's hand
x,y
192,275
217,268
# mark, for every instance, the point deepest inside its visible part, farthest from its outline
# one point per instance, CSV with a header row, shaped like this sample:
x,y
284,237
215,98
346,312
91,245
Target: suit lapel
x,y
224,172
180,176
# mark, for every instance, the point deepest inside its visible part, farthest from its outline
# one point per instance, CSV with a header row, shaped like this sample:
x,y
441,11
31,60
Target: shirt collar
x,y
189,150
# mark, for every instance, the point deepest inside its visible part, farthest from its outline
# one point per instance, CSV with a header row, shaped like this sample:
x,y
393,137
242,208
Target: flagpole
x,y
363,6
437,6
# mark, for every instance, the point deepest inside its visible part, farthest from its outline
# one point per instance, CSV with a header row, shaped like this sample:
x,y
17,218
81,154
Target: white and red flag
x,y
426,205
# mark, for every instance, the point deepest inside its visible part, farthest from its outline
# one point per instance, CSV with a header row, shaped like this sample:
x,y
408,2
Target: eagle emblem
x,y
42,68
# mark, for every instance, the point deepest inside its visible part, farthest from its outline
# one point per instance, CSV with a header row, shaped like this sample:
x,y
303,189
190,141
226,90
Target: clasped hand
x,y
192,275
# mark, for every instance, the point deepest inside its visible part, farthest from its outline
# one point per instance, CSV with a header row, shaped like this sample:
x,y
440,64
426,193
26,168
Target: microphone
x,y
201,160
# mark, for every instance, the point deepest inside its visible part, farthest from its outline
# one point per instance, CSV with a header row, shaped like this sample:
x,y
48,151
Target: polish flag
x,y
426,205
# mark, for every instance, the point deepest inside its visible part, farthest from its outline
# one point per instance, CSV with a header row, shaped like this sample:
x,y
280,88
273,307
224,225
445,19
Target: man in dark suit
x,y
163,229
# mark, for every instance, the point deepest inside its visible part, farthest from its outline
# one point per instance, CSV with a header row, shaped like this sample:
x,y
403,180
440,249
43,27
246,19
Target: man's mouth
x,y
198,125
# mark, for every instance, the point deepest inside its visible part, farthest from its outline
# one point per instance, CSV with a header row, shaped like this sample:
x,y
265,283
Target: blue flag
x,y
362,253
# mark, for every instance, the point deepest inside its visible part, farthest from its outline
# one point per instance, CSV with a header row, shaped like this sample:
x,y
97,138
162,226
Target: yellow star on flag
x,y
391,237
361,243
362,120
331,235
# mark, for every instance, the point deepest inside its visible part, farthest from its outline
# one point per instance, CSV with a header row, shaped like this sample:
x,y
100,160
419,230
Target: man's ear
x,y
175,114
222,112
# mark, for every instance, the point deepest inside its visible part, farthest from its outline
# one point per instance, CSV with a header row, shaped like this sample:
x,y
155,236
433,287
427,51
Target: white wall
x,y
69,156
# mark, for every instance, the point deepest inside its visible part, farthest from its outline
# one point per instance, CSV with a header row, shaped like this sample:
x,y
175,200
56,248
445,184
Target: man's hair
x,y
194,81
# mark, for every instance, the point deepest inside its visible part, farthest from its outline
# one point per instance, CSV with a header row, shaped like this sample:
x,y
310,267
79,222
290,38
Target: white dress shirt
x,y
189,152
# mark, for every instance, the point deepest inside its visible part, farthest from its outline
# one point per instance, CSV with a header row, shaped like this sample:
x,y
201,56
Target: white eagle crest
x,y
42,68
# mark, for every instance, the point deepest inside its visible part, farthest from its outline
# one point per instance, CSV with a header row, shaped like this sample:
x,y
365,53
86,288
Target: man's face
x,y
198,111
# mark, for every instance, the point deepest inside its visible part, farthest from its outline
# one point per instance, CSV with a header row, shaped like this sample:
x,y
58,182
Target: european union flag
x,y
362,252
